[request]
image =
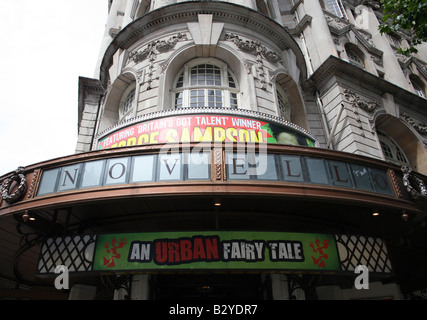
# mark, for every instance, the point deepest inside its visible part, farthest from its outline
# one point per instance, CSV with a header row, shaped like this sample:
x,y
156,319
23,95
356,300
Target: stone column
x,y
367,20
279,287
140,287
318,37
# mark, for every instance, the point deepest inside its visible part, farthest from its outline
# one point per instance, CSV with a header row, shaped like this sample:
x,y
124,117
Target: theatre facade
x,y
231,150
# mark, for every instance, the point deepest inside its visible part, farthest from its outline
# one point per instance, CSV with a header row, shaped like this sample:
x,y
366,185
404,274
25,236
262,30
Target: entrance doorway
x,y
207,287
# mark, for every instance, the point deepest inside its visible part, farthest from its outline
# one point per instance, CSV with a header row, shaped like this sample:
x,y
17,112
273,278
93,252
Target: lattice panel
x,y
367,251
74,252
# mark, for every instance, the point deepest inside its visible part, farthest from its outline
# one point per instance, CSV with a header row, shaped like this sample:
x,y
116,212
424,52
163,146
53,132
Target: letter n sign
x,y
69,177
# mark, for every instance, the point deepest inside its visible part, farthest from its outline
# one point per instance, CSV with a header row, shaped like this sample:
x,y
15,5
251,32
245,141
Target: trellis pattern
x,y
74,252
77,252
359,250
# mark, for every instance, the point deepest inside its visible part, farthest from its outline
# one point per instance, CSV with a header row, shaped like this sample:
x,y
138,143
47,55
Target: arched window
x,y
418,86
283,103
206,83
354,57
127,103
392,152
335,7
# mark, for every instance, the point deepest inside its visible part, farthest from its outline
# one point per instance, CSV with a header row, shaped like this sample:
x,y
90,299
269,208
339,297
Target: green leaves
x,y
409,15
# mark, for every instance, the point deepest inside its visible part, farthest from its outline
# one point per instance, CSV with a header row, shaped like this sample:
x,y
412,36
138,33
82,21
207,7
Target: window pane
x,y
381,181
237,166
208,78
128,105
292,169
48,181
178,100
265,167
92,173
198,165
339,174
231,82
143,169
69,177
170,167
233,100
361,177
116,171
317,171
180,82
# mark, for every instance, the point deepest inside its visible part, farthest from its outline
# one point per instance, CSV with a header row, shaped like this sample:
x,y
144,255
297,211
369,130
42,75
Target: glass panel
x,y
117,171
92,173
233,101
339,174
361,177
69,177
128,105
143,169
205,74
266,167
198,165
231,82
178,100
170,167
237,166
48,181
317,171
381,181
292,169
335,7
180,82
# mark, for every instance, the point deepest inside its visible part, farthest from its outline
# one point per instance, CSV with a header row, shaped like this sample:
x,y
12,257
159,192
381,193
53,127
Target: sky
x,y
45,46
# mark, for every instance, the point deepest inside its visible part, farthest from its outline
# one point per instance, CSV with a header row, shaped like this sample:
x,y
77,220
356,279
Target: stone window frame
x,y
127,103
418,86
355,56
229,94
336,8
391,150
283,104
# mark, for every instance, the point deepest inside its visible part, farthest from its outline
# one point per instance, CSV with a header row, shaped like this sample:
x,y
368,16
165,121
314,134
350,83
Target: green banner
x,y
216,250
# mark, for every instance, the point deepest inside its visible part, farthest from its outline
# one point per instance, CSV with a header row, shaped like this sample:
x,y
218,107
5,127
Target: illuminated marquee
x,y
203,128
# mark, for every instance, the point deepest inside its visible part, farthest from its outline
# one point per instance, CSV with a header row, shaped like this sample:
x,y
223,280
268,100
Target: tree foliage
x,y
409,15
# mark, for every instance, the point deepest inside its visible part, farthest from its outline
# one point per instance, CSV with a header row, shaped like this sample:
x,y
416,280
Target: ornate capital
x,y
158,46
419,127
356,101
254,47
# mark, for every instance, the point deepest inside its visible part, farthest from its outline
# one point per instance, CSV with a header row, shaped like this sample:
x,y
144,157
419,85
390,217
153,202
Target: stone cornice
x,y
334,66
87,86
188,12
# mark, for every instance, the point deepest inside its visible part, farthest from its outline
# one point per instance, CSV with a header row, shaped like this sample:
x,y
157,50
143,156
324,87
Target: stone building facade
x,y
338,113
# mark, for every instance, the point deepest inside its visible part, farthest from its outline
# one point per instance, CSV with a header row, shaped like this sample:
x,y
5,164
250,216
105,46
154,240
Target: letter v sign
x,y
167,165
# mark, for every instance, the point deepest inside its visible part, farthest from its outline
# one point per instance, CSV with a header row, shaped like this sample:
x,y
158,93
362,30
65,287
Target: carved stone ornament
x,y
254,47
150,52
419,127
419,190
356,101
261,52
18,177
159,46
335,22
